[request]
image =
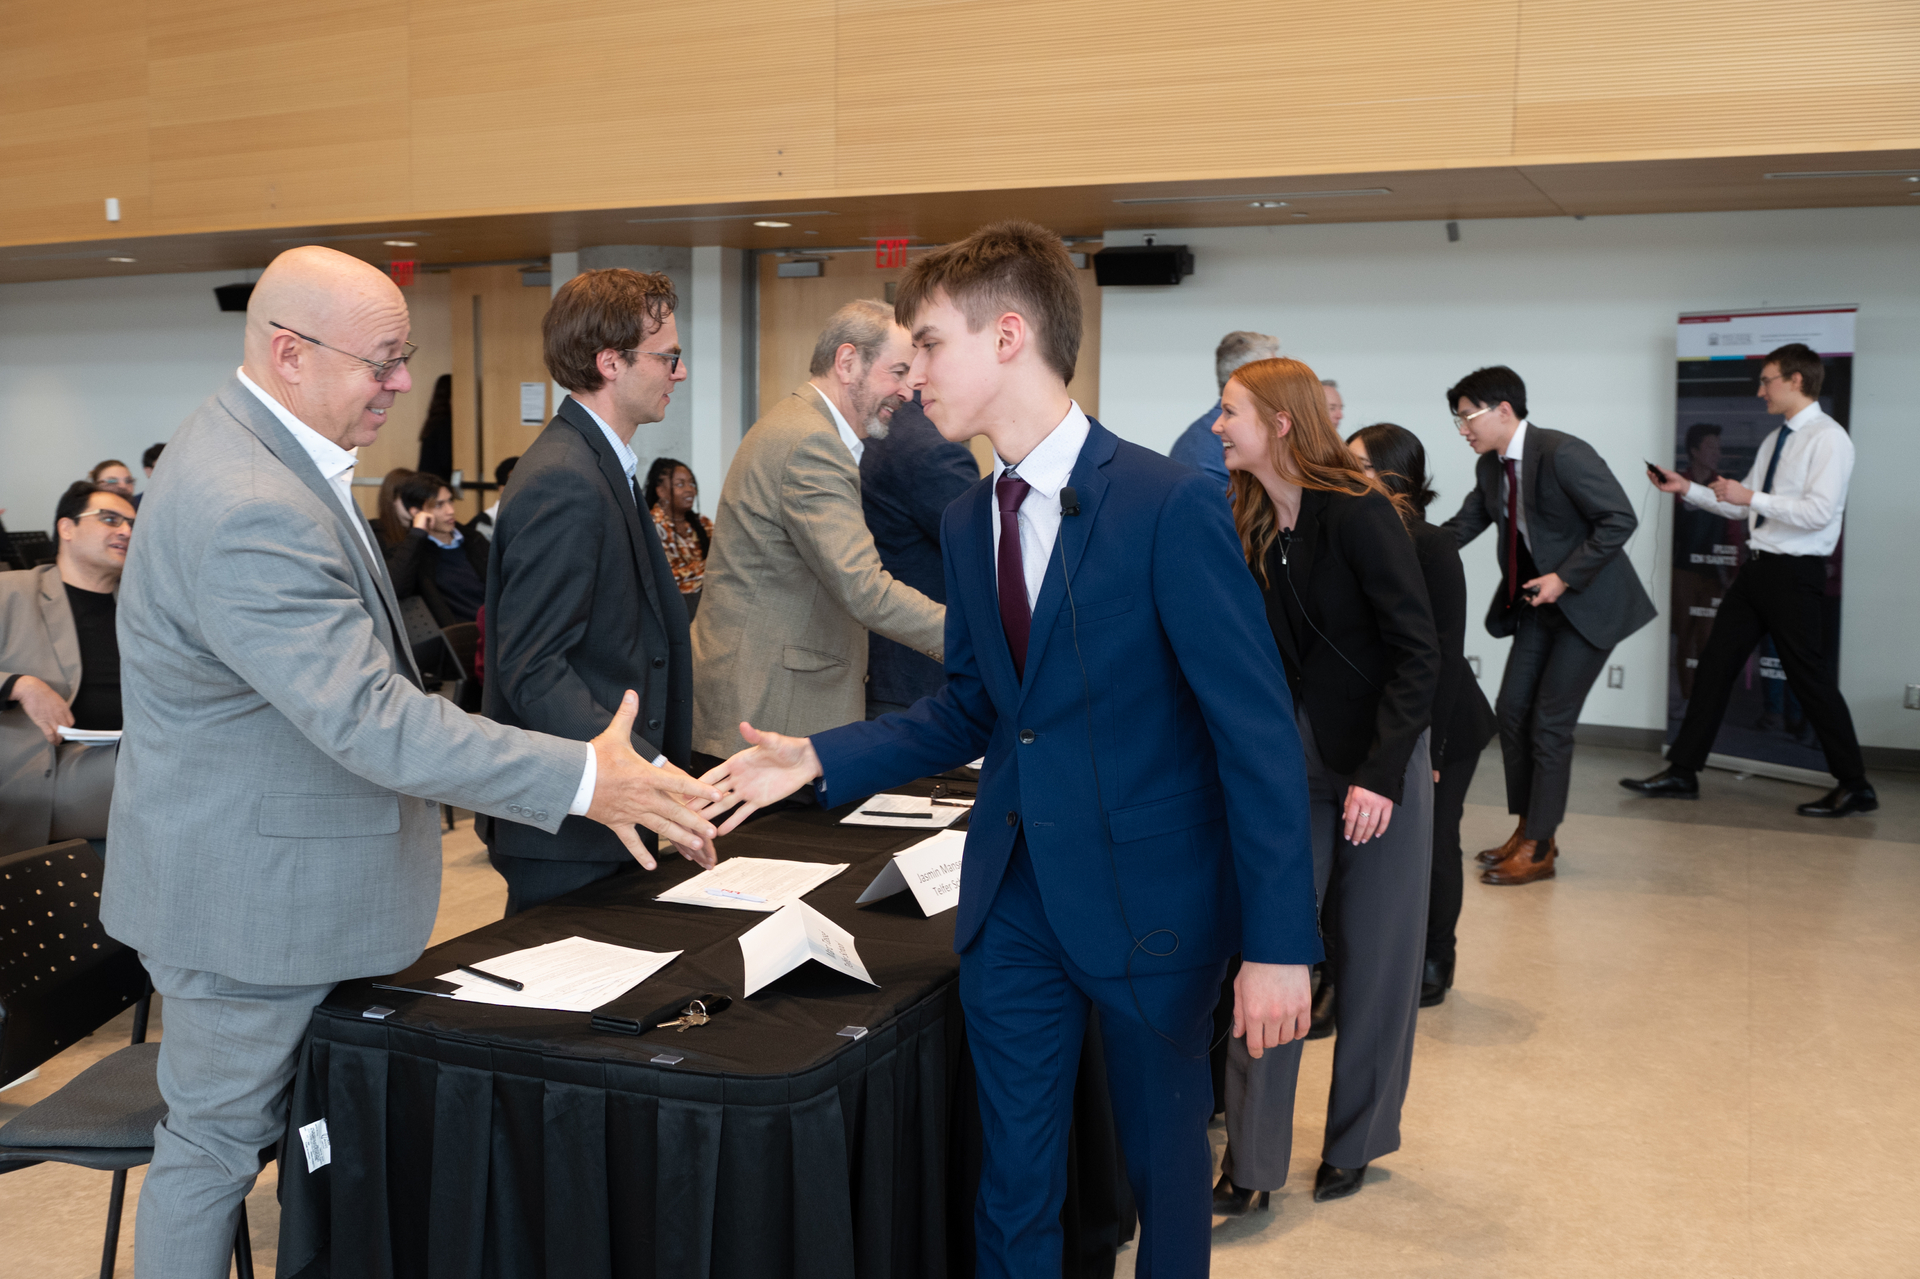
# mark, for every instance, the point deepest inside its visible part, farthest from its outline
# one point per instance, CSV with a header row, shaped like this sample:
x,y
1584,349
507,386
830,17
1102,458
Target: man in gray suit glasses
x,y
274,821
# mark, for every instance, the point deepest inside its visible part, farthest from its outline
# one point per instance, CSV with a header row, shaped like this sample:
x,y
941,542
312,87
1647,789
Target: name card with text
x,y
789,938
931,868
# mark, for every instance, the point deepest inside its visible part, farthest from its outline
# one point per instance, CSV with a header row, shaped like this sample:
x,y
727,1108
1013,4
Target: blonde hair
x,y
1311,454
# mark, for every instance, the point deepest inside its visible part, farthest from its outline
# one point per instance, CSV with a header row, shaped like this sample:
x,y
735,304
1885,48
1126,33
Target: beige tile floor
x,y
1692,1054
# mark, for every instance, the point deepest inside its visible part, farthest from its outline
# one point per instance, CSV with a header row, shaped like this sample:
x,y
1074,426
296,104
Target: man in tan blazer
x,y
60,668
793,580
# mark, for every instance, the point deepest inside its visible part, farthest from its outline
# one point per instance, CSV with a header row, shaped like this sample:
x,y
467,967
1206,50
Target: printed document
x,y
574,975
916,811
764,884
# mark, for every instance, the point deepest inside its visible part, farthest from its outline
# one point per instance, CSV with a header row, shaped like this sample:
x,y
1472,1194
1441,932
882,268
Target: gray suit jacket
x,y
793,586
274,813
37,638
1578,522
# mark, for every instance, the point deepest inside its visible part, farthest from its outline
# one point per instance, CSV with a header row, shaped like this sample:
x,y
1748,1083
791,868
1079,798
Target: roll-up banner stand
x,y
1717,431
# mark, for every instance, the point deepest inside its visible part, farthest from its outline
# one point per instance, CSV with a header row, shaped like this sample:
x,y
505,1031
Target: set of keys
x,y
698,1013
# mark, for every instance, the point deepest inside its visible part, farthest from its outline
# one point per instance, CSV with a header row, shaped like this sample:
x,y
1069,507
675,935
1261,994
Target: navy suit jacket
x,y
1196,817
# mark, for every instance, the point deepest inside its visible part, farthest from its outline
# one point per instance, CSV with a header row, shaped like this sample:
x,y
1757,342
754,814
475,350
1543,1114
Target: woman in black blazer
x,y
1348,607
1463,722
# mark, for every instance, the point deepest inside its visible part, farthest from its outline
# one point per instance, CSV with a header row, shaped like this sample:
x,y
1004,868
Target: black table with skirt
x,y
470,1140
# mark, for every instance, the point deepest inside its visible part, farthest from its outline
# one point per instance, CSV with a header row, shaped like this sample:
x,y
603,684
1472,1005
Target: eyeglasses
x,y
112,519
672,358
383,370
1769,380
1460,423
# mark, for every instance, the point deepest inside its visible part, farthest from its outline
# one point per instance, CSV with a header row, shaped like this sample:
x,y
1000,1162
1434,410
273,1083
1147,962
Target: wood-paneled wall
x,y
209,115
508,314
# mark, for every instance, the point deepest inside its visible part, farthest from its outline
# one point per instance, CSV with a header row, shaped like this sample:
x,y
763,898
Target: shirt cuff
x,y
583,797
1699,494
1761,503
6,689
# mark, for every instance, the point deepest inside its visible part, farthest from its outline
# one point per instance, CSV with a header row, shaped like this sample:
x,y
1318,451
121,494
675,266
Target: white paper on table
x,y
916,811
774,881
979,763
91,735
931,868
574,975
796,933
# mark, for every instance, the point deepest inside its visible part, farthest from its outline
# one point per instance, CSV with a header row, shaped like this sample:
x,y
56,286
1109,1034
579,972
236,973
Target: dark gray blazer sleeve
x,y
1473,517
1597,495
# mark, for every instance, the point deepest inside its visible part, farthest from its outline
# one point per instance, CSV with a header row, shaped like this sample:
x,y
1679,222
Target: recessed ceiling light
x,y
122,259
1299,215
1266,204
400,244
774,224
1278,196
1840,173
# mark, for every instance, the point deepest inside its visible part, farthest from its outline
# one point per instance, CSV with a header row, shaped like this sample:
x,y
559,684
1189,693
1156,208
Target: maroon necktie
x,y
1513,528
1016,617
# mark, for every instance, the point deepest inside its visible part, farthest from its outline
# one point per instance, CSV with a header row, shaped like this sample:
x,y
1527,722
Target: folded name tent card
x,y
764,884
795,934
574,975
917,811
931,868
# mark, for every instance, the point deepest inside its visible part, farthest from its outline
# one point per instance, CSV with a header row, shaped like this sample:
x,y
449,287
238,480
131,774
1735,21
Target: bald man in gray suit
x,y
274,819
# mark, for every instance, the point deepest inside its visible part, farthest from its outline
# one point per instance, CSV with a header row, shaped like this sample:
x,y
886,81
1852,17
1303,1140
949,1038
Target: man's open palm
x,y
772,767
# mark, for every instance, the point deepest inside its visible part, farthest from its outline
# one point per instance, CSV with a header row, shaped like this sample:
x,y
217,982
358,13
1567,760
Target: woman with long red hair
x,y
1349,611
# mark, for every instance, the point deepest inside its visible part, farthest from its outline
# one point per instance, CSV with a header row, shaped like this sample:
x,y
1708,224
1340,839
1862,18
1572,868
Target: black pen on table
x,y
883,812
484,975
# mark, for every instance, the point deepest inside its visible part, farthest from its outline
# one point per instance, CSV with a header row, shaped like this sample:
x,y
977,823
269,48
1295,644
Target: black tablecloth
x,y
474,1140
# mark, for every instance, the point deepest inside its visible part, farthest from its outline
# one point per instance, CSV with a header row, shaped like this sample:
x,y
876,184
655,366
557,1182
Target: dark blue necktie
x,y
1773,464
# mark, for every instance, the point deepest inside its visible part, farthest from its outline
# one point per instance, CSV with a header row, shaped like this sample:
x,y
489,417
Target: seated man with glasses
x,y
60,668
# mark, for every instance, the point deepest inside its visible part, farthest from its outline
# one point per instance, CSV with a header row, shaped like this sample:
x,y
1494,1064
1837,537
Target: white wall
x,y
1585,311
93,369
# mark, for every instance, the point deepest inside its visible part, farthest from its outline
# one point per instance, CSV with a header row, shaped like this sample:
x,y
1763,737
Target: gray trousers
x,y
227,1055
82,789
1377,942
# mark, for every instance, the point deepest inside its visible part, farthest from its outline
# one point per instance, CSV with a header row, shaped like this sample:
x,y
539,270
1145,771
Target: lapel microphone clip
x,y
1069,501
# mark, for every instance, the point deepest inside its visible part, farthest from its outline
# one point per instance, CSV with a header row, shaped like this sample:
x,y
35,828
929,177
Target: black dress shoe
x,y
1230,1200
1435,980
1840,801
1322,1012
1666,784
1336,1183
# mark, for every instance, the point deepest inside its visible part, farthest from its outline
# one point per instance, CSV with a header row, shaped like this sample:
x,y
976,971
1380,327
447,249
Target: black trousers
x,y
1548,674
1448,882
1782,596
532,881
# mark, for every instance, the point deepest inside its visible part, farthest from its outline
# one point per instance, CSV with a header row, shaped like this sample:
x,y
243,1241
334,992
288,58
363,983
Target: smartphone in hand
x,y
1657,475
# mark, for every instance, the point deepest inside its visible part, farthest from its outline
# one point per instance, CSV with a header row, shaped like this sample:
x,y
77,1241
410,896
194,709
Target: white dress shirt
x,y
1809,488
629,462
1047,469
1513,451
855,445
334,463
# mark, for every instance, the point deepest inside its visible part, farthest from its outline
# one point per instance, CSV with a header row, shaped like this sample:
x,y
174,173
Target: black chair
x,y
32,548
61,979
443,656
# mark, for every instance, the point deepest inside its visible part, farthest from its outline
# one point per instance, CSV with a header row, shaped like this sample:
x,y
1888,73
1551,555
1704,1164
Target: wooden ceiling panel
x,y
248,124
618,105
1641,77
1005,93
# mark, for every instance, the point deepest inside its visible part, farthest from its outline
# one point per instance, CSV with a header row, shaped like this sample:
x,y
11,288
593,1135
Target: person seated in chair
x,y
60,668
438,560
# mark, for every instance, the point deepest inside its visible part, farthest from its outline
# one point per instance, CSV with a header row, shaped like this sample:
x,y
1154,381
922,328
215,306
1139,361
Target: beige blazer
x,y
37,638
793,586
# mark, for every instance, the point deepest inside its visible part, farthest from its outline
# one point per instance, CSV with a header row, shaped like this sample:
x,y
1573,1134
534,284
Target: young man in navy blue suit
x,y
1142,812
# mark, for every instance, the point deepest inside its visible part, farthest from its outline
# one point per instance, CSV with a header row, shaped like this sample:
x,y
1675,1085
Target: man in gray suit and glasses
x,y
274,819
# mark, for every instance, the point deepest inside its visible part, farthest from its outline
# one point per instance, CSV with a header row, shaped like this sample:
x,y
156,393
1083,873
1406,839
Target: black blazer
x,y
581,606
1368,665
1578,520
410,565
1463,722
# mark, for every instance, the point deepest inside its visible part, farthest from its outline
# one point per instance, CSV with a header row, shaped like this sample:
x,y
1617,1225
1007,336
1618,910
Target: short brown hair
x,y
1009,266
613,309
1798,357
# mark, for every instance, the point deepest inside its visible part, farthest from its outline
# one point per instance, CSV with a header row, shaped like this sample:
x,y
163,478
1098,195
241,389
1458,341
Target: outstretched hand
x,y
628,791
771,768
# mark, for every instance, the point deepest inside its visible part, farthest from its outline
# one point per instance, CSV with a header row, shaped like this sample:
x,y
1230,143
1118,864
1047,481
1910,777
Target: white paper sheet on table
x,y
573,975
931,868
774,881
90,735
916,811
796,933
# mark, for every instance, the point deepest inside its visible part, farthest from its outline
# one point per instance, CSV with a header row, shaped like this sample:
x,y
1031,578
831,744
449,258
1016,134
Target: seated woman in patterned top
x,y
671,495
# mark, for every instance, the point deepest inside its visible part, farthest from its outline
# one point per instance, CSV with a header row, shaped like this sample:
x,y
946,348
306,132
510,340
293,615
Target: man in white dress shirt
x,y
1792,500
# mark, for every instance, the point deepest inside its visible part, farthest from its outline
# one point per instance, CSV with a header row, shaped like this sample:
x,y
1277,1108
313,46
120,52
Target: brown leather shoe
x,y
1529,862
1494,856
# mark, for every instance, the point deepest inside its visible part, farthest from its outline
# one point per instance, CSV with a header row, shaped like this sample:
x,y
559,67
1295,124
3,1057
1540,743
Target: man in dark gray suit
x,y
580,602
274,824
1567,596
